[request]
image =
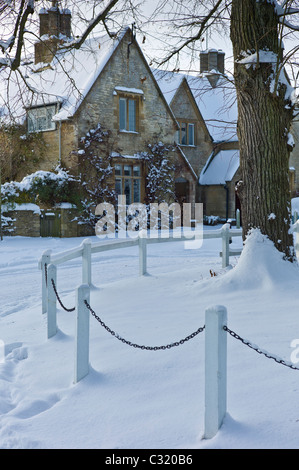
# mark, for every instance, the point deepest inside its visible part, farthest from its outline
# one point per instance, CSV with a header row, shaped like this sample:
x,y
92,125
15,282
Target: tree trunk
x,y
264,119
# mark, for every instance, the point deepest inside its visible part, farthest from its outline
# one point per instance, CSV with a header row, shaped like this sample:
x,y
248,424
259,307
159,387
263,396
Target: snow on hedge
x,y
14,188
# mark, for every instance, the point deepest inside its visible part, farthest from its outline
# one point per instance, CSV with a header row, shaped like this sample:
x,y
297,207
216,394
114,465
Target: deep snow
x,y
136,399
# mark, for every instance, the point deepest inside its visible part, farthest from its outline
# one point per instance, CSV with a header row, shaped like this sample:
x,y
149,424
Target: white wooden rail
x,y
295,229
215,347
215,316
87,248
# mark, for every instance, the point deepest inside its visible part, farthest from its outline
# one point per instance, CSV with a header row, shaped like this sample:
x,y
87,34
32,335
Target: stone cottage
x,y
205,107
109,82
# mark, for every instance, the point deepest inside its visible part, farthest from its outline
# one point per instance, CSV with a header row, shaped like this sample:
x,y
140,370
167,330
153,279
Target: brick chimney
x,y
212,64
54,28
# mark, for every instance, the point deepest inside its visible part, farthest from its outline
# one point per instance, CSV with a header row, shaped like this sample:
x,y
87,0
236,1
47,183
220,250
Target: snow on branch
x,y
260,56
278,77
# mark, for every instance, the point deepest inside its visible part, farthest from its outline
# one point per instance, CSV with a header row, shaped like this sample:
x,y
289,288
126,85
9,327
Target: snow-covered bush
x,y
160,181
7,224
160,186
40,187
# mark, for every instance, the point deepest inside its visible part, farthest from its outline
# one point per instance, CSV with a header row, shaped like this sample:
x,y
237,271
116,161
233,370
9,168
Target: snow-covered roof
x,y
66,80
187,162
71,74
220,168
217,105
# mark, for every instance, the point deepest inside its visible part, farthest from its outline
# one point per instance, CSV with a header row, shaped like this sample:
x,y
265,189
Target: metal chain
x,y
176,343
134,345
260,351
58,298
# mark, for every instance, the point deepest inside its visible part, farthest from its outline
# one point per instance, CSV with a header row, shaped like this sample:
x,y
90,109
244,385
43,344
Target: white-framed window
x,y
128,181
127,114
186,133
40,119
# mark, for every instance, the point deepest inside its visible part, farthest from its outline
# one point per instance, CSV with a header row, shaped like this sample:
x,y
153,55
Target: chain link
x,y
176,343
134,345
260,351
59,300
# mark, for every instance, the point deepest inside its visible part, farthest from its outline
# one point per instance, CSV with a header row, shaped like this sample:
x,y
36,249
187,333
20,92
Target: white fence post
x,y
142,252
51,303
45,261
296,230
238,218
86,262
215,369
82,334
225,245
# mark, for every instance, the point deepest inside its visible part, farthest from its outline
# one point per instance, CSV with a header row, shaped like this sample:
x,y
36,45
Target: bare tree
x,y
19,21
266,99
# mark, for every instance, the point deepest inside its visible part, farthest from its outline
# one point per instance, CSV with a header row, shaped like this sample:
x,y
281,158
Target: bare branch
x,y
203,27
28,11
99,19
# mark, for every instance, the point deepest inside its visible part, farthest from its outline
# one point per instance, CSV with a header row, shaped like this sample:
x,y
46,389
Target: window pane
x,y
136,185
183,133
41,123
127,170
118,170
136,170
40,119
132,115
50,111
128,191
31,122
118,188
191,134
122,113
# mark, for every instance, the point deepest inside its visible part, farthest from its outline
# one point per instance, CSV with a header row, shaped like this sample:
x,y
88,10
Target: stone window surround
x,y
129,176
187,122
34,111
127,94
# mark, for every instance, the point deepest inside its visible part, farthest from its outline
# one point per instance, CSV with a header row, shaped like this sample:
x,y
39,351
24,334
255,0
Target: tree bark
x,y
264,119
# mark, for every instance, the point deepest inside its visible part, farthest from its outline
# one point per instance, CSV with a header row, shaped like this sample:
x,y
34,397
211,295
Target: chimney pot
x,y
212,60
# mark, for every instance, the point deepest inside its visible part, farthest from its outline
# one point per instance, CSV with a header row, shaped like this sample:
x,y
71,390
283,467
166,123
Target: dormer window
x,y
39,119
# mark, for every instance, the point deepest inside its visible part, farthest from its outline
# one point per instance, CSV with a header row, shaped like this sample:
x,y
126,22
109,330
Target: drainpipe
x,y
59,142
227,199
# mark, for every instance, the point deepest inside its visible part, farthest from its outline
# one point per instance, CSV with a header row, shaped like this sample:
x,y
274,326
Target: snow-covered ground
x,y
138,399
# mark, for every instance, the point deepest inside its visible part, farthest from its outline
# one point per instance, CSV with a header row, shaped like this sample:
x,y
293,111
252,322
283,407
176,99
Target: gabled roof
x,y
66,80
217,105
220,167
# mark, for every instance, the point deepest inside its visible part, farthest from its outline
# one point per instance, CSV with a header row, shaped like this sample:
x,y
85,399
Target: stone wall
x,y
26,223
219,201
126,69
